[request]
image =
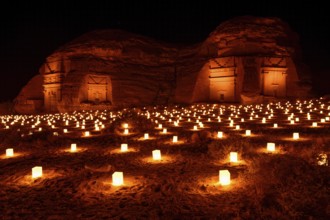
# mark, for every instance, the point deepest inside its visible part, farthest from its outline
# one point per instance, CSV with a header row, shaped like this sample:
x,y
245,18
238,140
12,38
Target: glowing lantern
x,y
123,147
117,178
296,136
314,124
73,147
275,125
220,134
224,177
175,139
36,172
156,155
126,131
146,136
271,147
233,157
87,133
10,152
248,132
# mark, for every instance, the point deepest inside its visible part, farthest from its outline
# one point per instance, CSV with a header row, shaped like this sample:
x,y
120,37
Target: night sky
x,y
30,32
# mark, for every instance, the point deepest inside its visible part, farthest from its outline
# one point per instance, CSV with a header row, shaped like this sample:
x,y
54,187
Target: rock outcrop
x,y
111,68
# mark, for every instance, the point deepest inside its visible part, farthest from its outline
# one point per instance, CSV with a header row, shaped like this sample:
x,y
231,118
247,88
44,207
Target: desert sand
x,y
290,182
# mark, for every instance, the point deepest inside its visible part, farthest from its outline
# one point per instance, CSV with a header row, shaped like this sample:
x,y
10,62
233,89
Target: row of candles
x,y
117,177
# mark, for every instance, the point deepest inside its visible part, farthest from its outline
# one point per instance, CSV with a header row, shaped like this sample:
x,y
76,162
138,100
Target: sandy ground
x,y
288,183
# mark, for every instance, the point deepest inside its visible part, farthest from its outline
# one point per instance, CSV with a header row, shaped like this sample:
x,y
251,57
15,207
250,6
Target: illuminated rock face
x,y
246,59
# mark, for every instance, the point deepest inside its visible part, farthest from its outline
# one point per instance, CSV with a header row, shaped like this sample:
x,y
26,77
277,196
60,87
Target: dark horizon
x,y
31,33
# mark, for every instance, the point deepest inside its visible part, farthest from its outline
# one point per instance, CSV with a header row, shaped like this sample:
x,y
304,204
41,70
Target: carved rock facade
x,y
246,60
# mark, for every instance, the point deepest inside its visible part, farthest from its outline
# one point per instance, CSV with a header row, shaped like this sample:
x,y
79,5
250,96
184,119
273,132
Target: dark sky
x,y
30,32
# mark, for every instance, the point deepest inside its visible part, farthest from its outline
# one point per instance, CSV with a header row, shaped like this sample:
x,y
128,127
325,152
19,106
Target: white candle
x,y
73,147
156,155
146,136
36,172
123,147
10,152
296,136
117,178
233,157
224,177
271,147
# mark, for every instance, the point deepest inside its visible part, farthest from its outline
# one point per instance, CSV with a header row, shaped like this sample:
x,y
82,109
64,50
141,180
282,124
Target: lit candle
x,y
237,127
314,124
275,125
233,157
175,139
160,126
126,131
156,155
195,127
123,147
296,136
36,172
146,136
125,125
10,152
220,134
224,177
87,133
164,130
73,147
271,147
117,178
248,132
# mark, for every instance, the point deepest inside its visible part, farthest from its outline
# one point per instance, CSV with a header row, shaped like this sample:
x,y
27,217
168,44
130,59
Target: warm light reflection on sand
x,y
27,180
79,150
16,155
165,159
118,150
103,186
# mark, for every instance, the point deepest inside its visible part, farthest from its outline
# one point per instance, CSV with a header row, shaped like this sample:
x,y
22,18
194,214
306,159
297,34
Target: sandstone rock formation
x,y
245,59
